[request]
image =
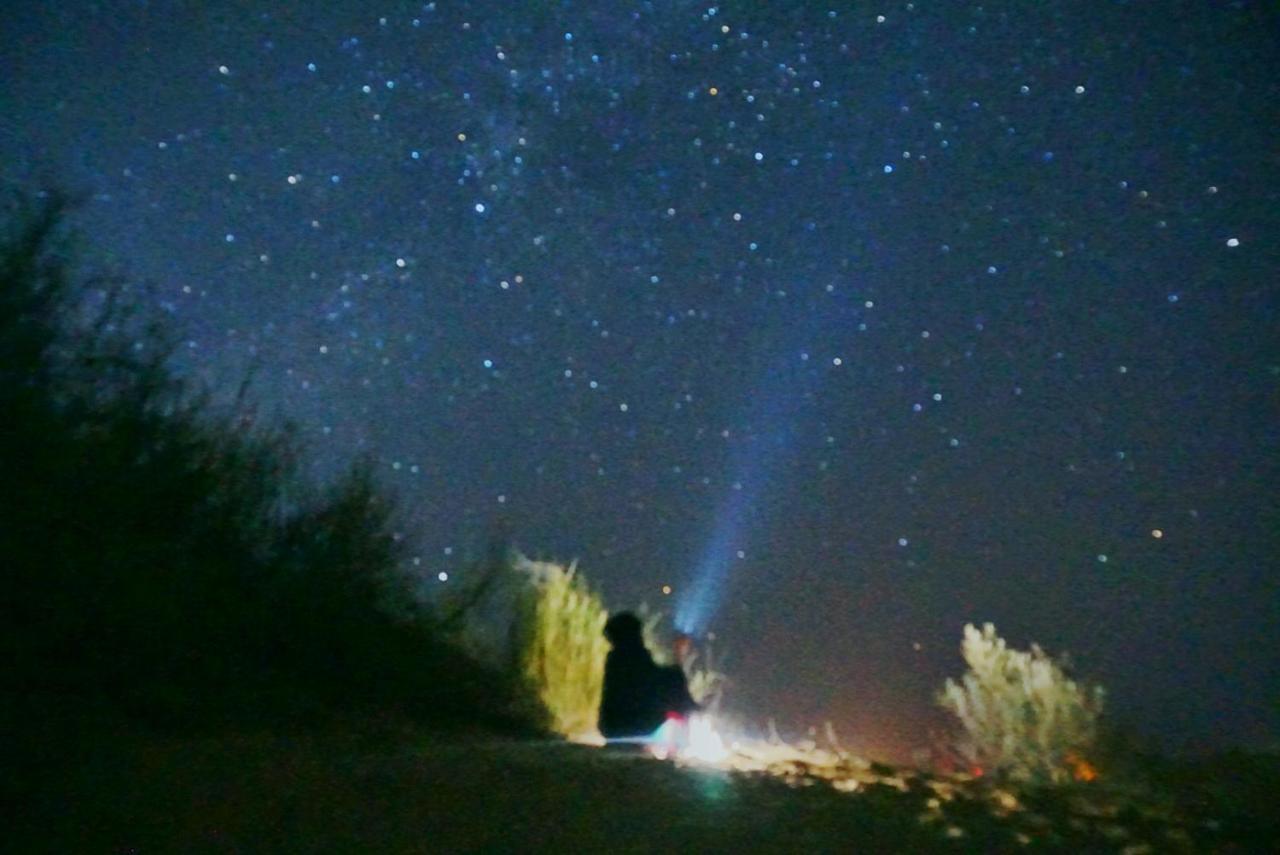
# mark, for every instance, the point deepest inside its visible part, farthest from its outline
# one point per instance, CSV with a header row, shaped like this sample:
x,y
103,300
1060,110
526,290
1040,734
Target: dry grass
x,y
1023,717
564,647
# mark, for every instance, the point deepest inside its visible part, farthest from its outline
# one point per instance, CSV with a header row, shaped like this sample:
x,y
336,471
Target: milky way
x,y
895,315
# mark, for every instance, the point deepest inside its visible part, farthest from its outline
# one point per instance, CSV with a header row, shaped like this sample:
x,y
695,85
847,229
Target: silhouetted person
x,y
638,693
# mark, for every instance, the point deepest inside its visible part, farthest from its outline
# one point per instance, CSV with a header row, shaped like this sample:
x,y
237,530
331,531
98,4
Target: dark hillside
x,y
162,558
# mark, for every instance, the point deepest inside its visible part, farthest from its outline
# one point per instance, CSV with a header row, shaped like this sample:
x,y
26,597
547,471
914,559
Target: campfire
x,y
694,739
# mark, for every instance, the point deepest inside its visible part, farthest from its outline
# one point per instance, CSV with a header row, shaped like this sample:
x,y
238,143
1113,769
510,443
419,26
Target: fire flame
x,y
694,739
705,743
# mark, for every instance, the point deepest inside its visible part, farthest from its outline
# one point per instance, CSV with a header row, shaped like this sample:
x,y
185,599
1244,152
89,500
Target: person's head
x,y
682,647
624,630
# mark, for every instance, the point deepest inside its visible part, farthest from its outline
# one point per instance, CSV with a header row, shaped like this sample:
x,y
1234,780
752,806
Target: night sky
x,y
851,322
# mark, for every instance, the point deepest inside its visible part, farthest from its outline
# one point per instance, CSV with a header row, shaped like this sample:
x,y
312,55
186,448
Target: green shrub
x,y
1023,717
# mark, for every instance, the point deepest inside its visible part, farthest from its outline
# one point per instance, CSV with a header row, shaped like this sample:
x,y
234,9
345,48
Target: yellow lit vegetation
x,y
1023,717
545,621
562,646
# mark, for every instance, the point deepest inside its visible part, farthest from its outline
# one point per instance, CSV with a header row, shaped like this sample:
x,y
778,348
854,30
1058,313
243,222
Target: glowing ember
x,y
1081,769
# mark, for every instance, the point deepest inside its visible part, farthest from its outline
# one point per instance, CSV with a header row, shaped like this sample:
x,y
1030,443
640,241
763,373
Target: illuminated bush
x,y
706,684
1023,717
562,647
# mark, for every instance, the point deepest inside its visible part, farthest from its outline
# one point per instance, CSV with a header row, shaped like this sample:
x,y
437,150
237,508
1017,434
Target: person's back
x,y
634,701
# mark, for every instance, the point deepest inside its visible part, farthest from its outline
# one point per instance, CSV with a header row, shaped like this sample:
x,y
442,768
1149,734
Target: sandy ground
x,y
468,794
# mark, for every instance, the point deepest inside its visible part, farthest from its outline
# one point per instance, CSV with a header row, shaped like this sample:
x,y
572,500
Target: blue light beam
x,y
775,416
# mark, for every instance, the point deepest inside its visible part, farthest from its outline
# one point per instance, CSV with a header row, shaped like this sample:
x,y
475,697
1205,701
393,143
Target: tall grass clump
x,y
707,684
1023,717
563,648
165,558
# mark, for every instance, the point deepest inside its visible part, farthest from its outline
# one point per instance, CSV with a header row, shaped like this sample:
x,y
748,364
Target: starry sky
x,y
851,322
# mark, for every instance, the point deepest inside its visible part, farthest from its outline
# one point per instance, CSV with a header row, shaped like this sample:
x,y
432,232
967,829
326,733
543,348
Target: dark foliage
x,y
168,563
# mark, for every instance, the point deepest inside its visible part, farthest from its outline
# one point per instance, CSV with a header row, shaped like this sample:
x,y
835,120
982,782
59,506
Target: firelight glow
x,y
692,740
705,744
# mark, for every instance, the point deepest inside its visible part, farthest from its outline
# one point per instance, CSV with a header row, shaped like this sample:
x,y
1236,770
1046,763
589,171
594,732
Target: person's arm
x,y
689,705
677,691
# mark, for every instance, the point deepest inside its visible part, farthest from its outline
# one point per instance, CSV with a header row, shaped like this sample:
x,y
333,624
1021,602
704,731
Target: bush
x,y
1023,718
706,684
165,558
563,648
